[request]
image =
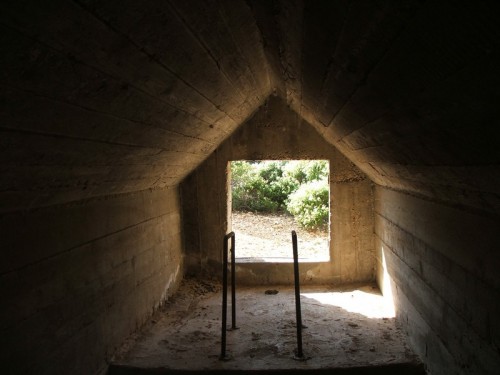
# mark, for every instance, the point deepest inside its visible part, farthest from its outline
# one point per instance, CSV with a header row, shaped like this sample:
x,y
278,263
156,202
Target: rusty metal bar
x,y
233,282
299,354
223,355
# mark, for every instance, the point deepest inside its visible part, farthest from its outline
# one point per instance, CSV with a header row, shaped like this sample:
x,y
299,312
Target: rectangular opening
x,y
270,198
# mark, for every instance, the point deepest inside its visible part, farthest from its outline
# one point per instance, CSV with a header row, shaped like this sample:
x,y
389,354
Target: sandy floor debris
x,y
345,328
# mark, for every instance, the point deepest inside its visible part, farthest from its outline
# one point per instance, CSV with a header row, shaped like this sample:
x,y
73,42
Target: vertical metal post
x,y
299,355
224,293
233,282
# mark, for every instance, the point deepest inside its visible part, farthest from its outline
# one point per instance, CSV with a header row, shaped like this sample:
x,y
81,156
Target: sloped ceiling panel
x,y
108,97
407,90
103,98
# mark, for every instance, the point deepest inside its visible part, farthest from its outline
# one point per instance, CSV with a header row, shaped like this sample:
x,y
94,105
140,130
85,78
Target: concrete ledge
x,y
268,271
281,260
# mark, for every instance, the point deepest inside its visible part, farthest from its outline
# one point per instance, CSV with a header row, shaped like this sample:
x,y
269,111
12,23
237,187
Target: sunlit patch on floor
x,y
345,328
369,304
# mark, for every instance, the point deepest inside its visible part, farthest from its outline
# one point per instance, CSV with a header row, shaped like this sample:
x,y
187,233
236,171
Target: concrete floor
x,y
347,329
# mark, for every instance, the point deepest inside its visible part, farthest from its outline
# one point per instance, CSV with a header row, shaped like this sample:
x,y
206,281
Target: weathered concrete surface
x,y
407,90
97,102
99,99
276,132
443,265
349,331
76,280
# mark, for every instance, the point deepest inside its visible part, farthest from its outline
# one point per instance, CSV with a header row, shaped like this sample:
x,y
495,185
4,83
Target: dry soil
x,y
269,236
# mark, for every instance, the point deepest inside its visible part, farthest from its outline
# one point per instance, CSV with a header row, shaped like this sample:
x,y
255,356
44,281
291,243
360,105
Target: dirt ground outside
x,y
269,236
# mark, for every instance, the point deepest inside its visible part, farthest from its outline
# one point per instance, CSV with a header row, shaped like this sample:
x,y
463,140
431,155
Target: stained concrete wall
x,y
443,263
103,98
77,279
276,132
110,98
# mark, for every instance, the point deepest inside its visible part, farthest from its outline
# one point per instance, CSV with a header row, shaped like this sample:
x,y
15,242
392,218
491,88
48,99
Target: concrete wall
x,y
443,264
77,279
276,132
107,98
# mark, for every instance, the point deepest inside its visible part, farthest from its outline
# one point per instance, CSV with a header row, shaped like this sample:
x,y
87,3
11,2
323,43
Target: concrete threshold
x,y
350,330
253,260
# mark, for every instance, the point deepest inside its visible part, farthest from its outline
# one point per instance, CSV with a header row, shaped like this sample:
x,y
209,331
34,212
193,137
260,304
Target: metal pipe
x,y
300,353
224,294
233,282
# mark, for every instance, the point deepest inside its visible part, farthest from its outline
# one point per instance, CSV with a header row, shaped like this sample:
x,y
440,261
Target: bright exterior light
x,y
357,301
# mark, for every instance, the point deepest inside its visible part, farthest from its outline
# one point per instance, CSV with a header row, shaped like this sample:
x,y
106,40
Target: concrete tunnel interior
x,y
118,120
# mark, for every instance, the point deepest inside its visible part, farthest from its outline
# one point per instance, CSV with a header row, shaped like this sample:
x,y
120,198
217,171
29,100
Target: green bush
x,y
306,170
250,192
271,171
296,170
317,170
309,204
277,186
299,187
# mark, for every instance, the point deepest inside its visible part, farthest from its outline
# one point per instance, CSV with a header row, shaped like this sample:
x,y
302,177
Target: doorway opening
x,y
270,198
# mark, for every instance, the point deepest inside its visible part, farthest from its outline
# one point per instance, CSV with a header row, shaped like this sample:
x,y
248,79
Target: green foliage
x,y
309,204
271,171
250,191
306,170
296,171
299,187
317,170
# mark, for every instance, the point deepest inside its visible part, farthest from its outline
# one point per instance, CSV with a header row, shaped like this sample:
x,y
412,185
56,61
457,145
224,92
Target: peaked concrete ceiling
x,y
109,97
